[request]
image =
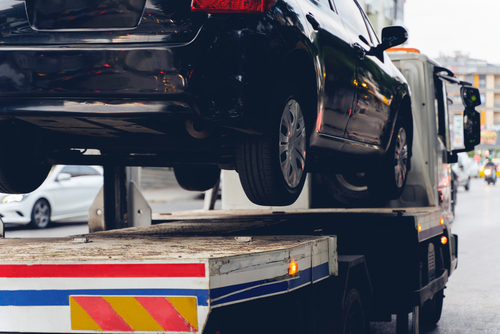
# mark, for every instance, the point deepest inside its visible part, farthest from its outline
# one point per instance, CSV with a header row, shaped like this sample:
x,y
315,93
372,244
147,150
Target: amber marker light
x,y
444,240
293,268
441,221
419,228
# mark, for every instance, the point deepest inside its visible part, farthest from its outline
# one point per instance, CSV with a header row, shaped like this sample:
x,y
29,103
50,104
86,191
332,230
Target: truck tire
x,y
197,178
389,179
430,312
354,320
272,166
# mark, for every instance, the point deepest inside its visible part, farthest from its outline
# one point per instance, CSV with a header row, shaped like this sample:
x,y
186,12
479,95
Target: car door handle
x,y
312,21
359,50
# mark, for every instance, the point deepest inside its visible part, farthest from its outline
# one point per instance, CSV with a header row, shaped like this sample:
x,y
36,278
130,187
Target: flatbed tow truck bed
x,y
220,272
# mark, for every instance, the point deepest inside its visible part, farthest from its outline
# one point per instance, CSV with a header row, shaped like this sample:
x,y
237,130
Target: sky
x,y
438,27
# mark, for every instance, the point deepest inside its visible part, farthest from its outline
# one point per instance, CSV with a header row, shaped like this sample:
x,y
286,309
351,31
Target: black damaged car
x,y
271,88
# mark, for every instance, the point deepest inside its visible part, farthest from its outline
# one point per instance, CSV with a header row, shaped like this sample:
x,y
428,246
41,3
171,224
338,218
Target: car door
x,y
370,118
65,192
337,66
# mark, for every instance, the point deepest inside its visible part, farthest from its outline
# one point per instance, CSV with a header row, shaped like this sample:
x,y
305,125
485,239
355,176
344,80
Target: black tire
x,y
40,214
430,312
467,185
197,178
354,319
19,174
388,180
347,190
263,161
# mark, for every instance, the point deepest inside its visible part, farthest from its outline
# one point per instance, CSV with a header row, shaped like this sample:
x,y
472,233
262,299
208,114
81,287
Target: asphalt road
x,y
472,303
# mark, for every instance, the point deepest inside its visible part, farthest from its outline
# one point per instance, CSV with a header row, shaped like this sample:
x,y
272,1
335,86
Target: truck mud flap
x,y
419,297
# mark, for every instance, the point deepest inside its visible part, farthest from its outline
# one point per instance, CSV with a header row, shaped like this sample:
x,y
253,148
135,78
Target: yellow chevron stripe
x,y
80,320
133,313
187,307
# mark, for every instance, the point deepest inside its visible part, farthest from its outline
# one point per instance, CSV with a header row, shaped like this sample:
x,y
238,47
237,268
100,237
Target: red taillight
x,y
231,6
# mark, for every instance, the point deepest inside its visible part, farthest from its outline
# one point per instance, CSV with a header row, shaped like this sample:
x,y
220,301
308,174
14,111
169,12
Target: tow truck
x,y
330,270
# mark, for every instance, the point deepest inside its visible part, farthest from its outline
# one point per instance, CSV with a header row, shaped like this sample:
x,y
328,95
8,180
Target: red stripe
x,y
165,314
102,313
103,270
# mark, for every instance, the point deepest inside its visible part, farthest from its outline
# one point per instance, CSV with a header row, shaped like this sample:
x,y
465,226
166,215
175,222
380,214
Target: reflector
x,y
293,268
232,6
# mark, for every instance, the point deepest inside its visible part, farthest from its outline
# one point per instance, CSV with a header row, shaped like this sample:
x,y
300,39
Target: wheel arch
x,y
299,69
405,112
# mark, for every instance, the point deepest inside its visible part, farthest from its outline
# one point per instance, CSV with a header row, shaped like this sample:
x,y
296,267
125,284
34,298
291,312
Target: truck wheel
x,y
272,167
197,178
353,318
430,312
389,179
40,215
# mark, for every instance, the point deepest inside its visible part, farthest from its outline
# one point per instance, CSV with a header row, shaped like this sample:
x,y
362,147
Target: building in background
x,y
486,77
383,13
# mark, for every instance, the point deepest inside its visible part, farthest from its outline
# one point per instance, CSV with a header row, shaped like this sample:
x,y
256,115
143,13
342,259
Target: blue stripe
x,y
61,297
304,278
321,271
257,290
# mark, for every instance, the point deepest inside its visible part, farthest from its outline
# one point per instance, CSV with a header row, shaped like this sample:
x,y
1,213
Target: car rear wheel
x,y
388,181
272,167
40,215
19,173
197,178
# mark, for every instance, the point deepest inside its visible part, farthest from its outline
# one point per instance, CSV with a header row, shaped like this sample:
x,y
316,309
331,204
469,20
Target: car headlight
x,y
13,198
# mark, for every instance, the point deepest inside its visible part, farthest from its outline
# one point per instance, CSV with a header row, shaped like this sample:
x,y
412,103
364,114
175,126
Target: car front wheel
x,y
272,167
40,215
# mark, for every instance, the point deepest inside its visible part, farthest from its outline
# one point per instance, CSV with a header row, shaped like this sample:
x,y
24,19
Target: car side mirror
x,y
63,177
391,36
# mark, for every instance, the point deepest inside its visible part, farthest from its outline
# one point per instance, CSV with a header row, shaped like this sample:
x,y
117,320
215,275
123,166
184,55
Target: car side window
x,y
72,170
351,13
84,171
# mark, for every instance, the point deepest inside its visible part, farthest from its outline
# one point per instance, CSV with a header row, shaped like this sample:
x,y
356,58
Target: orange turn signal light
x,y
441,221
293,268
444,240
419,228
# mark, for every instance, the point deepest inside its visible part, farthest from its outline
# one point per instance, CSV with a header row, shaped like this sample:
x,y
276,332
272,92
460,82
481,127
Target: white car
x,y
65,196
462,170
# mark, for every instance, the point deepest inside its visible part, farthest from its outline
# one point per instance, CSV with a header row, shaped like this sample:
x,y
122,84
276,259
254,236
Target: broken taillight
x,y
232,6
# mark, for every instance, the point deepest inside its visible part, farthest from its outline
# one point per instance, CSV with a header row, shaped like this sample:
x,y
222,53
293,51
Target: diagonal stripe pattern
x,y
126,313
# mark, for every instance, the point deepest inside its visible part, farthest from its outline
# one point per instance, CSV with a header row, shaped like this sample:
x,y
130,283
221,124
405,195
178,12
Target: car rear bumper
x,y
222,75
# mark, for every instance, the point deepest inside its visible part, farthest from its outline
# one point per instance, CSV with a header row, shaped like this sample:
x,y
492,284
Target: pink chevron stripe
x,y
165,314
102,313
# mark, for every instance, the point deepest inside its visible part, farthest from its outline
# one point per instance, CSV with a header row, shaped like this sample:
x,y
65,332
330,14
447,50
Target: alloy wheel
x,y
293,143
401,157
41,214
